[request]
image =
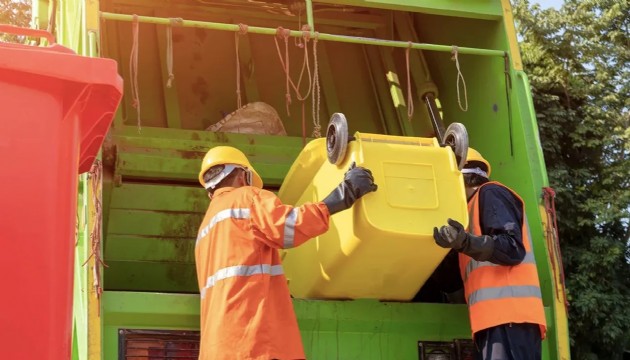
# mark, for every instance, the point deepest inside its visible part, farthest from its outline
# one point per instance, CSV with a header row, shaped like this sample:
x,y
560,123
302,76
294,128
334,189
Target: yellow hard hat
x,y
222,155
474,155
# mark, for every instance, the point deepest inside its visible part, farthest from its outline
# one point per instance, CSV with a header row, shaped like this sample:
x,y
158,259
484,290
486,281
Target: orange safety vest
x,y
246,308
498,294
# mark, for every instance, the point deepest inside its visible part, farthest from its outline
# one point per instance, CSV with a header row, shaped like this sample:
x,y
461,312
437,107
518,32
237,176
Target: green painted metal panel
x,y
211,94
153,276
378,74
176,154
168,165
361,329
160,198
151,235
153,205
151,91
166,221
480,9
151,227
164,137
355,97
70,27
266,30
525,102
81,290
136,309
150,248
156,223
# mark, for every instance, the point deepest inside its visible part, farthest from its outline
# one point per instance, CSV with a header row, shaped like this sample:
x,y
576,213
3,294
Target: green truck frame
x,y
140,206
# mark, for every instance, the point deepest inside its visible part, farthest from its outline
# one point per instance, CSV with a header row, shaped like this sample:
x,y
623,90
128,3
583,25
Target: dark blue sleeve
x,y
501,217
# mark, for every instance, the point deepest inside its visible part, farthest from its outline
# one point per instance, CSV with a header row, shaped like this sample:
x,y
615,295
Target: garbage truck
x,y
303,88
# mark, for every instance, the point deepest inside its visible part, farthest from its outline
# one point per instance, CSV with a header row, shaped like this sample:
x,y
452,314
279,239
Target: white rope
x,y
316,92
133,69
169,55
238,73
409,96
242,31
455,58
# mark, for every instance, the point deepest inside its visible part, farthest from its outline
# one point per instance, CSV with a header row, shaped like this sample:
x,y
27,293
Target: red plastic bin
x,y
55,110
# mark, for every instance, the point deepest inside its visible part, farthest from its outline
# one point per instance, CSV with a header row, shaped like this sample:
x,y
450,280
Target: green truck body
x,y
139,212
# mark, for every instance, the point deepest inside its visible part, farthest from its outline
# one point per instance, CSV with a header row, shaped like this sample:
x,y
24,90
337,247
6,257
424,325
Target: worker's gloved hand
x,y
357,182
450,236
454,236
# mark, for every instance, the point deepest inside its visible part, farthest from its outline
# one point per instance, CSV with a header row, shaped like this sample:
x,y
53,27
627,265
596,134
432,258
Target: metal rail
x,y
92,50
312,34
309,15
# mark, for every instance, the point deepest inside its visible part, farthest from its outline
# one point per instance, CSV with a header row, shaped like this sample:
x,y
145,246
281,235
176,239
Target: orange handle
x,y
16,30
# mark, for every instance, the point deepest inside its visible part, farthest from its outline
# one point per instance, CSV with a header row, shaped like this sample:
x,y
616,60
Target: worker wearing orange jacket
x,y
498,267
246,309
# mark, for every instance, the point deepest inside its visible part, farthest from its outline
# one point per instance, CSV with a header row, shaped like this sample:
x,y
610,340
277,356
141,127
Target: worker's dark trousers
x,y
509,342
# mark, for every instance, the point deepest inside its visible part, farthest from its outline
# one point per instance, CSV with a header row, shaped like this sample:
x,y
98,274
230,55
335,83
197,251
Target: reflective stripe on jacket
x,y
498,294
246,309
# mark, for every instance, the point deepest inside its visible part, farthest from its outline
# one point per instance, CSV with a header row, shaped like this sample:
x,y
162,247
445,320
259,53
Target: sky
x,y
549,3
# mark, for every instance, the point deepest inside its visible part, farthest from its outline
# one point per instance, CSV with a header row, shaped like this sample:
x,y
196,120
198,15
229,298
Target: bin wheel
x,y
456,137
337,138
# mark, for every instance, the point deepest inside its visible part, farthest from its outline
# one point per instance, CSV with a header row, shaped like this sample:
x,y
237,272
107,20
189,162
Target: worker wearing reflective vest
x,y
246,309
498,267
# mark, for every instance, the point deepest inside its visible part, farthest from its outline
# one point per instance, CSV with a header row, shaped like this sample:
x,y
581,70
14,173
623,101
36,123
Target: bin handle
x,y
16,30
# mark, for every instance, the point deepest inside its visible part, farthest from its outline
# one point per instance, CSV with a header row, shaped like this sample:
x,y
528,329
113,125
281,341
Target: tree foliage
x,y
14,12
578,62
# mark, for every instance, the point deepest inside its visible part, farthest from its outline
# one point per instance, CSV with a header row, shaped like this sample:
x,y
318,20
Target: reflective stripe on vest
x,y
474,264
220,216
241,270
289,228
503,293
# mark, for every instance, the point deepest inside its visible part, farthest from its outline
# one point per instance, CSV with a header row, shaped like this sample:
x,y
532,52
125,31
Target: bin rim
x,y
59,62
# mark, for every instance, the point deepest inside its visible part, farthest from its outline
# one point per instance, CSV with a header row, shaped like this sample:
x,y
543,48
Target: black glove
x,y
357,182
455,237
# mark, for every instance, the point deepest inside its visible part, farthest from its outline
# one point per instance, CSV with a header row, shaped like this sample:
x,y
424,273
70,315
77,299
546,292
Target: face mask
x,y
477,171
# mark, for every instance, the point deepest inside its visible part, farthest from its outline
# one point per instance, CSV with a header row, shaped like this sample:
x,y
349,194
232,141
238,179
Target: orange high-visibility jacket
x,y
246,309
498,294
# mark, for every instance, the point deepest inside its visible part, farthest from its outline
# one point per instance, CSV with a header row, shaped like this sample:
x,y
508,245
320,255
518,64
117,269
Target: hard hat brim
x,y
256,179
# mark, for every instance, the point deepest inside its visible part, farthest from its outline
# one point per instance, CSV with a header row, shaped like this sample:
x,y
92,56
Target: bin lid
x,y
96,86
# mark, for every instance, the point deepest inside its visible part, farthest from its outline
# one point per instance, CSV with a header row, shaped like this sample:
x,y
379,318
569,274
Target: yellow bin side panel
x,y
383,247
